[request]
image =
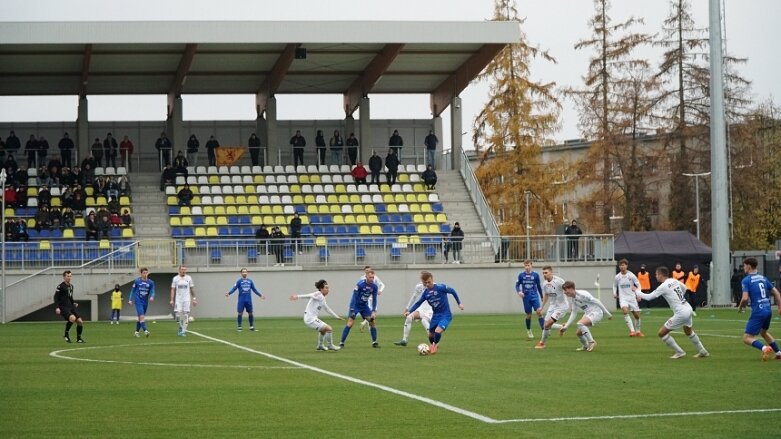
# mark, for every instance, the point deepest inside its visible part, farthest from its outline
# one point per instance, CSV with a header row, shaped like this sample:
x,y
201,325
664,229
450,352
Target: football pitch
x,y
486,381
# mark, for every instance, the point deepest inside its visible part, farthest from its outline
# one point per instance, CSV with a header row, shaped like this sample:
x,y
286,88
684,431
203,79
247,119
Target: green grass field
x,y
487,381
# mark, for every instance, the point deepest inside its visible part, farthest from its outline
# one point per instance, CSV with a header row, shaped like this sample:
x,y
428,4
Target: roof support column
x,y
455,132
261,128
82,130
175,127
436,125
365,129
271,139
349,127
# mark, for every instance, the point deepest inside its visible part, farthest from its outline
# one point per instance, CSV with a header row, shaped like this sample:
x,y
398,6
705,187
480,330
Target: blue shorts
x,y
244,305
758,322
364,311
441,320
530,302
141,308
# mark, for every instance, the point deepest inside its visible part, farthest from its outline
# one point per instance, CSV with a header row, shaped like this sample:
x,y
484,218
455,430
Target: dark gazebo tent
x,y
665,248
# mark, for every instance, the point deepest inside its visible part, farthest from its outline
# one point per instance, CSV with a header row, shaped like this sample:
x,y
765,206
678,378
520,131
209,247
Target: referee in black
x,y
66,307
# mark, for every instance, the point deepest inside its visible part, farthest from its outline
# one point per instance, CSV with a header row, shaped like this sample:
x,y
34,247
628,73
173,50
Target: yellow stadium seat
x,y
403,178
332,199
392,208
175,221
210,221
67,234
335,208
422,198
304,220
249,189
212,231
423,229
280,220
184,210
200,232
369,208
304,179
89,191
257,220
344,199
414,207
309,199
358,208
222,220
243,210
341,189
349,219
295,189
387,198
196,200
9,212
411,198
259,179
364,230
252,199
56,202
265,209
320,241
79,222
187,221
414,239
241,199
372,219
314,179
322,209
171,201
418,219
230,199
104,244
430,218
231,210
311,209
208,210
30,223
441,218
214,179
399,198
418,187
45,245
376,230
189,243
254,210
360,219
32,192
425,207
338,219
277,209
403,239
127,232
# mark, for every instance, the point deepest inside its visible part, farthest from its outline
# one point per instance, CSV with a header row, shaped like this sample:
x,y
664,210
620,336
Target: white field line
x,y
471,414
60,354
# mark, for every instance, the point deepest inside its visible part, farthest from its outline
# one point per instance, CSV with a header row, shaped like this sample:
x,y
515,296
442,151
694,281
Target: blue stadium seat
x,y
437,208
324,254
360,252
252,255
352,230
395,252
444,228
329,230
431,252
216,256
379,208
314,219
384,218
387,229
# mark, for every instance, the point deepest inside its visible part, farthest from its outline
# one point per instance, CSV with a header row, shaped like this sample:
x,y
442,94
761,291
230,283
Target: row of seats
x,y
301,209
236,230
76,233
279,179
325,189
288,169
99,201
211,220
99,171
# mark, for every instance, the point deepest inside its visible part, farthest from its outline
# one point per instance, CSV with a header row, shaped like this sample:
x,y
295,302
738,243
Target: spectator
x,y
10,230
115,219
163,146
2,153
21,196
298,142
192,149
359,173
78,204
127,220
167,177
692,284
10,195
211,154
181,164
113,205
396,142
55,218
66,149
123,184
456,241
352,148
97,153
185,196
42,218
431,142
44,196
110,148
91,224
678,273
262,235
295,231
429,177
68,218
104,226
736,286
573,233
12,144
445,246
335,144
99,186
392,165
112,188
126,152
67,196
55,167
375,166
10,163
278,246
43,150
255,152
31,148
320,144
21,231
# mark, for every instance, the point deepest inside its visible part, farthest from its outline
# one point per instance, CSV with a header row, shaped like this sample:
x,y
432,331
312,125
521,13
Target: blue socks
x,y
437,337
542,323
373,332
345,332
251,319
774,345
757,344
143,325
528,324
238,321
138,325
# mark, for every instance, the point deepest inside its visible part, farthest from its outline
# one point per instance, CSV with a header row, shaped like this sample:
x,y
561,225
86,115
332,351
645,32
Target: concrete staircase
x,y
150,218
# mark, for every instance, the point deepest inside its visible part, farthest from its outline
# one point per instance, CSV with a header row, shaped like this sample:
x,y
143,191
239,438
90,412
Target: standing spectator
x,y
31,148
111,149
255,152
644,277
735,284
167,177
163,146
12,144
678,273
392,165
2,153
181,164
211,145
320,145
192,149
66,149
431,142
375,167
429,177
456,241
278,245
692,283
359,173
396,143
298,142
185,196
97,152
262,235
66,307
335,144
126,151
573,233
352,149
295,231
43,150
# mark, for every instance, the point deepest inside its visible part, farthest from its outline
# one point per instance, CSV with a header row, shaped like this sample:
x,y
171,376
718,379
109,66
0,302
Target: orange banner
x,y
228,155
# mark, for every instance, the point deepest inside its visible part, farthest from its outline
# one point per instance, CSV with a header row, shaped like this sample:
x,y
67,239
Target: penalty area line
x,y
392,390
639,416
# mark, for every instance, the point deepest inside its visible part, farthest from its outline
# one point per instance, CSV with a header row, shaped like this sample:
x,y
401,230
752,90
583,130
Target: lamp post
x,y
2,241
697,197
528,226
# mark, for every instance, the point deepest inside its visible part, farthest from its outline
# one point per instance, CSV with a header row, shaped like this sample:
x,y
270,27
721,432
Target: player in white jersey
x,y
674,293
182,295
380,289
593,311
424,313
312,315
624,288
553,295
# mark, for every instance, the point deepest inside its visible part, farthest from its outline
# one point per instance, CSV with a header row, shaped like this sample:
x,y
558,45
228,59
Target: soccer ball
x,y
423,349
191,319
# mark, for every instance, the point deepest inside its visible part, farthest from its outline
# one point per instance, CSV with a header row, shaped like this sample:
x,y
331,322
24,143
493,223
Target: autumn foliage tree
x,y
520,116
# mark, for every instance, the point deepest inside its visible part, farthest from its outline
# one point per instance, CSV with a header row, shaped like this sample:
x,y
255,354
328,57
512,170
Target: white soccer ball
x,y
423,349
191,319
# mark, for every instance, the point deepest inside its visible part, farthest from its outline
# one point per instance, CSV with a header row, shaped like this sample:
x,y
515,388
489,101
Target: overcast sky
x,y
752,31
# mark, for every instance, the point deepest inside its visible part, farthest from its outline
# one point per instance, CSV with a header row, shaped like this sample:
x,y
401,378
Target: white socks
x,y
670,341
629,324
695,339
407,327
545,335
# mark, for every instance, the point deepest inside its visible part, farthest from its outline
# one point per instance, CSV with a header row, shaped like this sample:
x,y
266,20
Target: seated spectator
x,y
123,184
10,195
10,230
91,223
127,220
185,196
168,177
359,173
113,206
10,163
67,196
112,188
55,167
180,164
75,176
429,177
262,235
68,217
99,186
115,219
102,211
44,197
55,218
19,176
21,196
78,204
104,226
21,231
42,218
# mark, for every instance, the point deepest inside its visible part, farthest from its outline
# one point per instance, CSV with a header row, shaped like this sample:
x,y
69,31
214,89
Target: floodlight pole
x,y
528,227
697,196
2,241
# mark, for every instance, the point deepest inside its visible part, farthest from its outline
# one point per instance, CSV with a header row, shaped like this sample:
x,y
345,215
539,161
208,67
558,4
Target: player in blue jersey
x,y
246,287
360,304
141,294
757,288
529,289
436,296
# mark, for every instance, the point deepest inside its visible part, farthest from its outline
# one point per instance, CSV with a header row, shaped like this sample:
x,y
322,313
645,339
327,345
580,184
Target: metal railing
x,y
481,204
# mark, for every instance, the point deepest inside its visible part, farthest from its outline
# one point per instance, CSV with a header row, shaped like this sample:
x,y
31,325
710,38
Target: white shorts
x,y
425,312
628,301
595,315
182,305
315,324
556,314
679,319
